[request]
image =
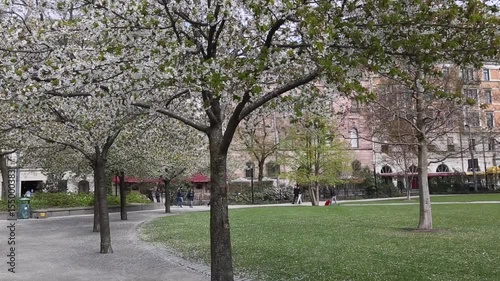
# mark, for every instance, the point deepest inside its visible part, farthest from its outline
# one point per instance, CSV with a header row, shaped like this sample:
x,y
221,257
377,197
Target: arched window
x,y
412,169
442,168
83,186
386,170
354,138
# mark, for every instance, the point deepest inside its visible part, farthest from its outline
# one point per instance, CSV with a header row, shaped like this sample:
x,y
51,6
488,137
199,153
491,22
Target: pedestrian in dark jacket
x,y
179,198
190,197
296,192
333,192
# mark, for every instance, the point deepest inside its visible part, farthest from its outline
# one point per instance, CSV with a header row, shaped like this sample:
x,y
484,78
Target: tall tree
x,y
316,153
258,134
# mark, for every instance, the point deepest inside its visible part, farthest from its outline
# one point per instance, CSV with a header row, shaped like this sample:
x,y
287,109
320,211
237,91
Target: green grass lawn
x,y
346,242
441,198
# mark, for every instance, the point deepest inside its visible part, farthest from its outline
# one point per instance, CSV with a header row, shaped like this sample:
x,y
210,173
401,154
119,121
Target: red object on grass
x,y
328,202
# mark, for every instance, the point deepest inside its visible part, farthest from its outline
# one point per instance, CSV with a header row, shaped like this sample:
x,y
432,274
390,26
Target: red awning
x,y
410,174
116,179
199,178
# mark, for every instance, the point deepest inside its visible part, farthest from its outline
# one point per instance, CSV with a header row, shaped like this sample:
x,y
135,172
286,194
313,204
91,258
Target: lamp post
x,y
250,173
474,177
484,162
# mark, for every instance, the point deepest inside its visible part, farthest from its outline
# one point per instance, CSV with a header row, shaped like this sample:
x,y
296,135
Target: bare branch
x,y
199,127
273,94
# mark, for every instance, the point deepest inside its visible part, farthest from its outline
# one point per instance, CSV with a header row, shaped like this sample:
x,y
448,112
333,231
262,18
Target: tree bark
x,y
167,195
5,176
313,192
100,164
220,238
96,204
261,171
123,198
425,222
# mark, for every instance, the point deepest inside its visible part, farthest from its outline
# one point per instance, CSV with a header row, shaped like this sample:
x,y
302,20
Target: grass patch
x,y
441,198
346,243
69,200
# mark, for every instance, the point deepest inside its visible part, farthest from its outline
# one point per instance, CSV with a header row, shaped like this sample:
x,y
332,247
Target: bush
x,y
68,200
268,195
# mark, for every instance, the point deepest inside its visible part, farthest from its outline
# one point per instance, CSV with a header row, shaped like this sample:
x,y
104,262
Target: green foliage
x,y
317,155
69,200
346,243
265,196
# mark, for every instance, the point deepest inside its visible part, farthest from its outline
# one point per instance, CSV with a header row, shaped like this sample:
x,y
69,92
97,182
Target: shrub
x,y
68,200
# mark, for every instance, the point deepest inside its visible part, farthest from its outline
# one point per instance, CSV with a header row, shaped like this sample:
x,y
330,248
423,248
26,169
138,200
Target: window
x,y
472,164
432,147
472,119
386,170
384,148
487,96
486,74
491,144
446,71
442,168
450,144
412,169
489,119
471,94
273,169
354,138
472,144
467,74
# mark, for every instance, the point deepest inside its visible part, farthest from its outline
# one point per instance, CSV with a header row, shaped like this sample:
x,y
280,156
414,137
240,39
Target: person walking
x,y
296,192
333,192
150,195
299,200
190,197
179,198
157,195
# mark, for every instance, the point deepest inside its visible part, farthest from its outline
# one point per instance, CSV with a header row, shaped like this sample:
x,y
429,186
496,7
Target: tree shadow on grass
x,y
415,230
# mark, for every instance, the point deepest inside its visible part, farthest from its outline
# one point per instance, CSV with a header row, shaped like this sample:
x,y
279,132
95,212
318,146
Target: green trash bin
x,y
24,208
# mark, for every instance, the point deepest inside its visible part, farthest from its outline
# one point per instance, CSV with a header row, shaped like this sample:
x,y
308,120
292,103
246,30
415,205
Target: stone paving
x,y
66,249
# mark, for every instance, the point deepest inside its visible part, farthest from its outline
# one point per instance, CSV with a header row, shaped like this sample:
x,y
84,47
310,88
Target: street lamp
x,y
250,174
474,177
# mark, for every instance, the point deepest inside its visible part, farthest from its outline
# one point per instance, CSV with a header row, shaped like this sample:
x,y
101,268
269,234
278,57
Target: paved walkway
x,y
66,249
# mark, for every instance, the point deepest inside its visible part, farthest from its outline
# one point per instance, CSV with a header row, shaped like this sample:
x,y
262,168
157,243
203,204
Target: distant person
x,y
150,195
157,195
190,197
296,192
333,193
179,198
299,200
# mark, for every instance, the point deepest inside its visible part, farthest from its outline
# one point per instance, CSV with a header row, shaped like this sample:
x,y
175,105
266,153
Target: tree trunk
x,y
5,176
425,222
123,198
261,172
96,205
425,198
313,191
220,238
167,196
105,232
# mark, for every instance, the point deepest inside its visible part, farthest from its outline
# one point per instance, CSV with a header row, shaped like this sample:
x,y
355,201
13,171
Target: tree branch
x,y
271,95
199,127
